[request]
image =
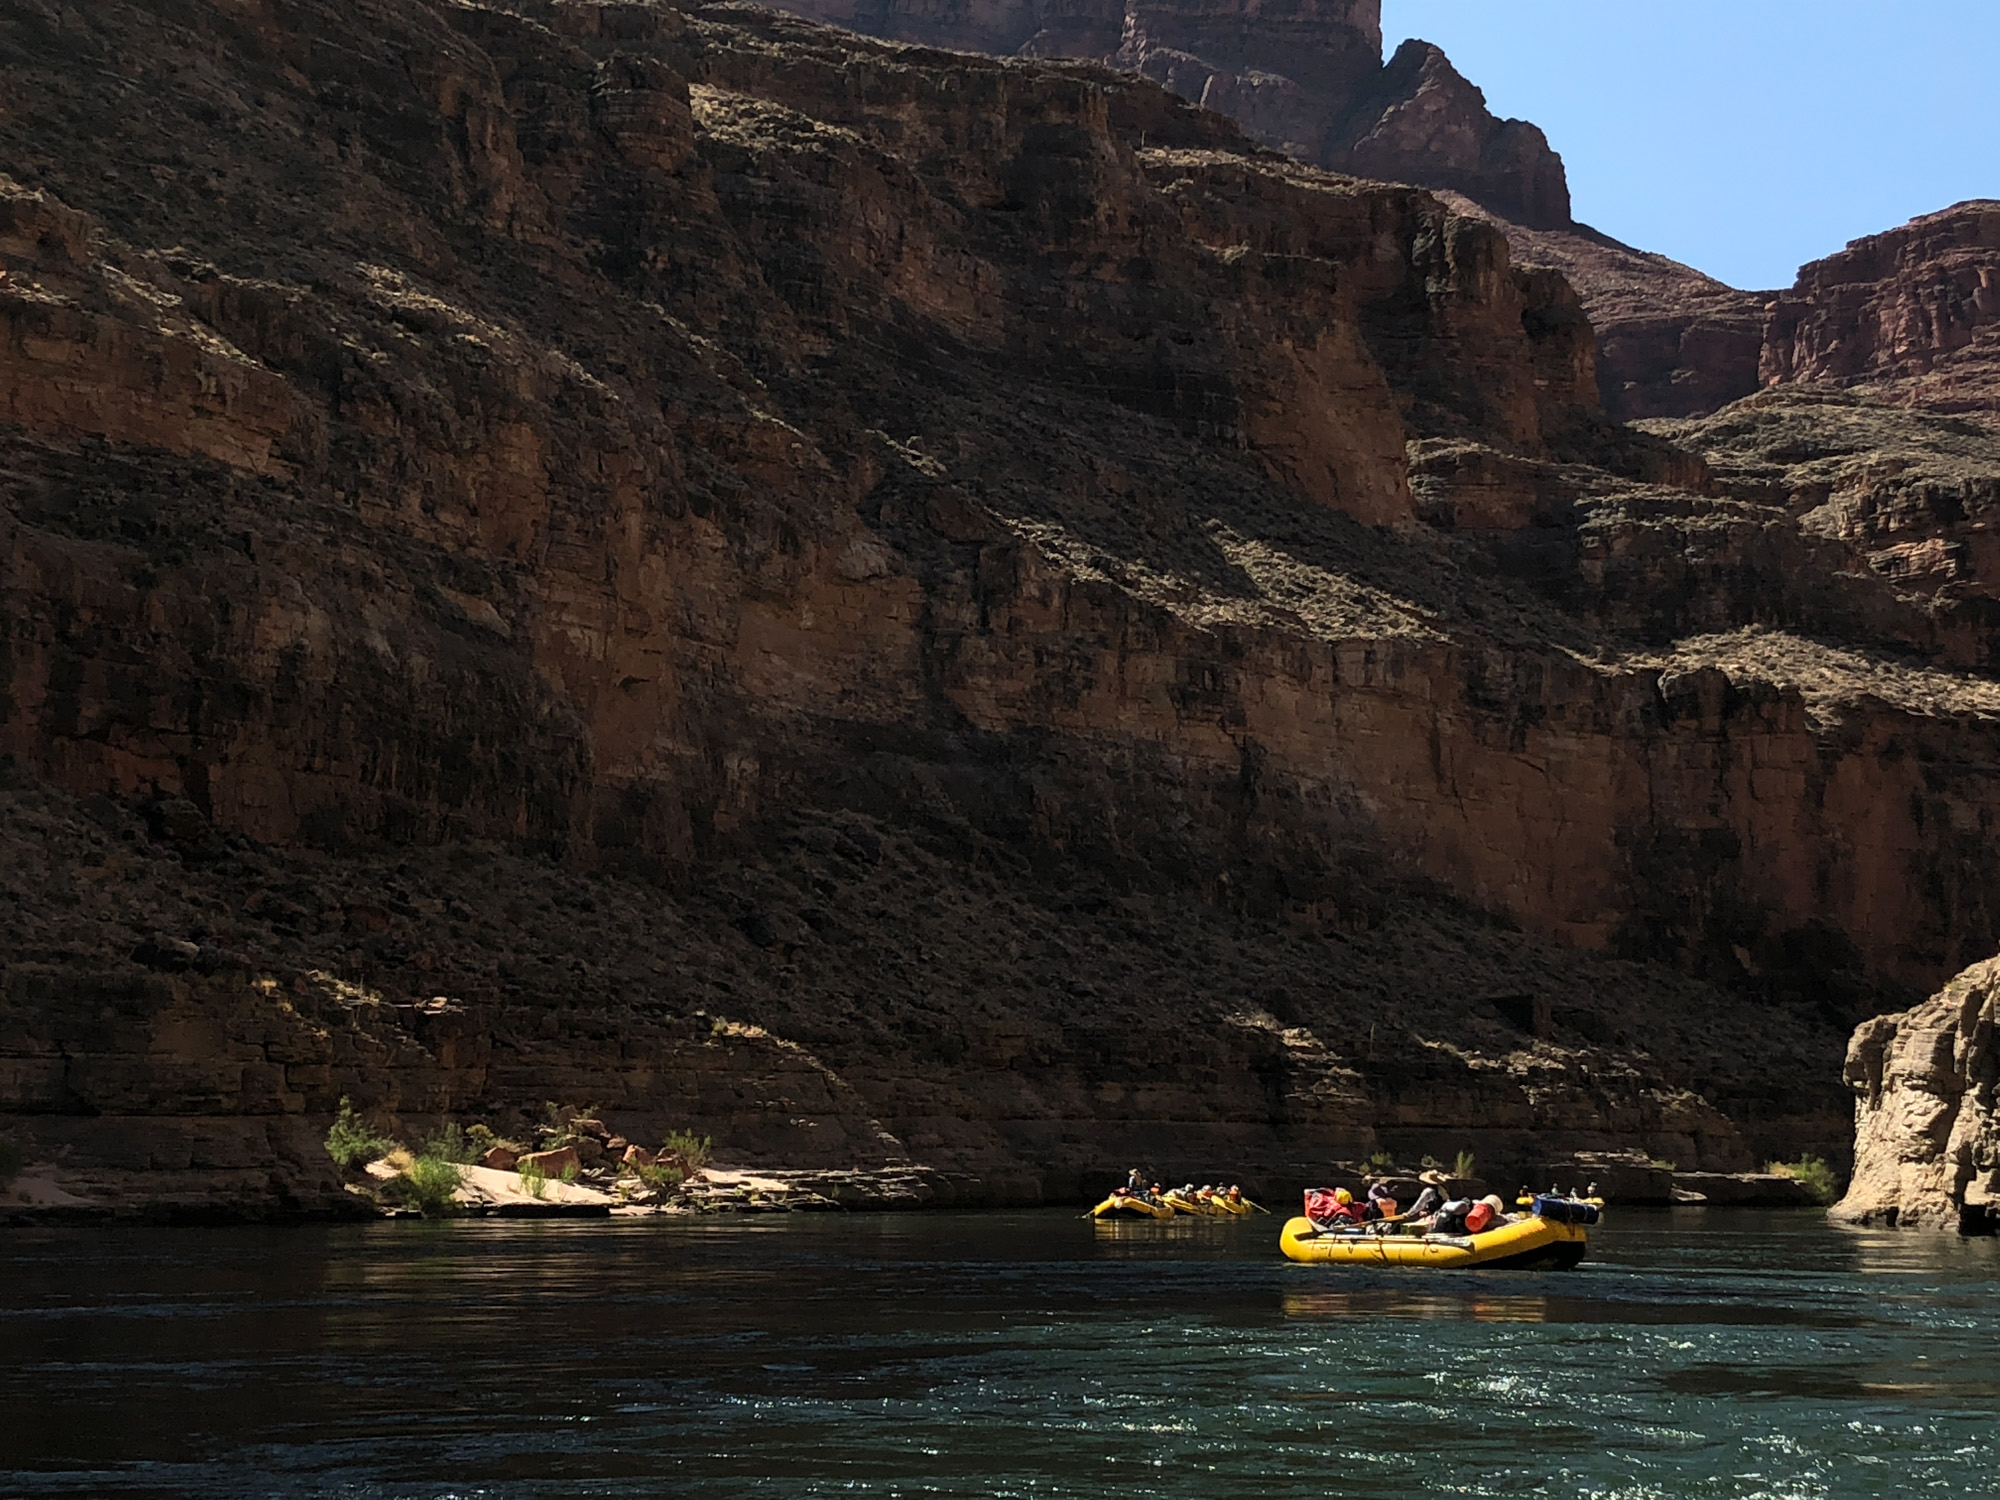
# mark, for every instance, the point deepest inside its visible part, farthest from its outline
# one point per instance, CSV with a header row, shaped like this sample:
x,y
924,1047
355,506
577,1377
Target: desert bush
x,y
428,1182
558,1127
11,1163
690,1152
1817,1177
534,1181
453,1145
1463,1165
351,1143
1382,1162
661,1175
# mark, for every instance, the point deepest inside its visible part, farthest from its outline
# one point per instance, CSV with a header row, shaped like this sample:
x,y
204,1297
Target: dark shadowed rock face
x,y
1305,76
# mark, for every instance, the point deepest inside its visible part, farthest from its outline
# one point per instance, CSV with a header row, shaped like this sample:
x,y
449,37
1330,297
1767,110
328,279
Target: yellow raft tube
x,y
1530,1244
1127,1206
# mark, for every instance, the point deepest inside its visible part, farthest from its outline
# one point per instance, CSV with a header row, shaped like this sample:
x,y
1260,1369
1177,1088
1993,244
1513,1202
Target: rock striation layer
x,y
1083,634
1927,1112
1304,76
1912,315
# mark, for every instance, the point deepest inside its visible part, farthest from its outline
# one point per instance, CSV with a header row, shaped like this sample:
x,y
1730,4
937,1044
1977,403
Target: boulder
x,y
638,1156
1927,1112
501,1159
589,1150
595,1129
557,1163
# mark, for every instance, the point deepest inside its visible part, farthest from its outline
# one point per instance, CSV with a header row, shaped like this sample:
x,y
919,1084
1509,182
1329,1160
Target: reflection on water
x,y
1719,1354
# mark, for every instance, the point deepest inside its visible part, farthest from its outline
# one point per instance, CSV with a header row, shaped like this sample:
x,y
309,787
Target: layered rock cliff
x,y
1927,1112
942,607
1912,315
1304,76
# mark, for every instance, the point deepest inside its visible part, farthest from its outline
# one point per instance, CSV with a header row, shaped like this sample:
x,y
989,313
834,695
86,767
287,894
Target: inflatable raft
x,y
1554,1238
1125,1206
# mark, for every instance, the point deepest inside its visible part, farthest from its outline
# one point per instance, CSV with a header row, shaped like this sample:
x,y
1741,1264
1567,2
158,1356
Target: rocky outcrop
x,y
1927,1112
1671,342
1305,76
1422,121
1912,497
1912,316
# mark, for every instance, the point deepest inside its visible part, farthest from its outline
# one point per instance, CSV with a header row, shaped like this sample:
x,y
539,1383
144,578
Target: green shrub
x,y
1382,1162
1463,1166
11,1163
482,1138
569,1172
428,1183
453,1145
1816,1176
534,1181
661,1175
558,1127
351,1143
690,1152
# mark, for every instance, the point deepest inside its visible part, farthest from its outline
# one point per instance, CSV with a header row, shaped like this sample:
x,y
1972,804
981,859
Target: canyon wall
x,y
635,455
1912,315
1306,77
1927,1113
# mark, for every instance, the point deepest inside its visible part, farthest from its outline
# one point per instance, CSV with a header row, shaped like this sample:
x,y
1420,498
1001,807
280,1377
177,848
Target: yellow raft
x,y
1125,1206
1531,1244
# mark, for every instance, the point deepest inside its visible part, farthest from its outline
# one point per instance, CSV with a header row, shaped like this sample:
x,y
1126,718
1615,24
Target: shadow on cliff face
x,y
179,1018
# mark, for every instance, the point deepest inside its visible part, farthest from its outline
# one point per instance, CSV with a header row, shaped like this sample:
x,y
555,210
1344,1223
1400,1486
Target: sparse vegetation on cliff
x,y
428,1184
688,1151
1814,1174
455,1145
352,1143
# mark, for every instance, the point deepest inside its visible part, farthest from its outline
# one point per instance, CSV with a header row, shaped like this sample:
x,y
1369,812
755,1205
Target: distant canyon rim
x,y
919,611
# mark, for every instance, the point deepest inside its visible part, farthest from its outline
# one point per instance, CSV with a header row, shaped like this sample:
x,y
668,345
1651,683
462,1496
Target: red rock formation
x,y
1305,76
1671,342
1912,315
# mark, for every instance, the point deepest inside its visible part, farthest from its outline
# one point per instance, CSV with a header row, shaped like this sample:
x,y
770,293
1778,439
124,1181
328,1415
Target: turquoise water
x,y
1720,1354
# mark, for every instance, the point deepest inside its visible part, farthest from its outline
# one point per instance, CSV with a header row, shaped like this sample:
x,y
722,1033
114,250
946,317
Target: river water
x,y
1697,1354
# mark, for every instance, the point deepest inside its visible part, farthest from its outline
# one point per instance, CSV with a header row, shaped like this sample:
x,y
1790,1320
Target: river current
x,y
1724,1354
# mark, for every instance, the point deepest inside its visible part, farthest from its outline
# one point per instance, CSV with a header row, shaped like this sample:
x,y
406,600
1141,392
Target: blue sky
x,y
1744,138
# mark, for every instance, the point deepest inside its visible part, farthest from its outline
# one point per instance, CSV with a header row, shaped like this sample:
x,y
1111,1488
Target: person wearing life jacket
x,y
1235,1195
1380,1204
